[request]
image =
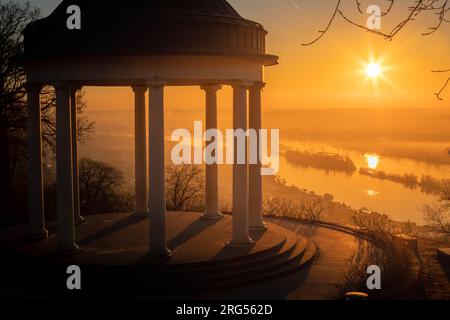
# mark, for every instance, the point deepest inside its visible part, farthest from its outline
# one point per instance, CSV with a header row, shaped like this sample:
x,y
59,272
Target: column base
x,y
246,243
80,220
67,250
260,227
140,214
158,255
38,236
212,216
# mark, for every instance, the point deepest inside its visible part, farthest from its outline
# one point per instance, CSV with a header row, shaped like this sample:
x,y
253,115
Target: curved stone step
x,y
290,253
139,276
290,259
282,258
303,260
306,259
297,260
110,275
227,268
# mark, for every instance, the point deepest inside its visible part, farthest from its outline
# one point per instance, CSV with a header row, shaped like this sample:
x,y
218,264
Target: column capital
x,y
258,85
70,85
62,85
139,89
211,87
243,84
75,87
155,84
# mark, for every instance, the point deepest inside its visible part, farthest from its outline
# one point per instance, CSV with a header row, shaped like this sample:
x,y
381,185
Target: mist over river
x,y
113,142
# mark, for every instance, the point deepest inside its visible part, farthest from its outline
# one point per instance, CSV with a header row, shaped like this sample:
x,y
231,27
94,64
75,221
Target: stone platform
x,y
121,239
114,260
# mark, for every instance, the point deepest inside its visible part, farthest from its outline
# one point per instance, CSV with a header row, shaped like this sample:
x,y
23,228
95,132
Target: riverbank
x,y
288,196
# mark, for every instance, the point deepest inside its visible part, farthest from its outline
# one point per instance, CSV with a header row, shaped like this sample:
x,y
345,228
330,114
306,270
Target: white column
x,y
64,180
212,170
240,230
140,153
157,179
255,178
76,181
35,180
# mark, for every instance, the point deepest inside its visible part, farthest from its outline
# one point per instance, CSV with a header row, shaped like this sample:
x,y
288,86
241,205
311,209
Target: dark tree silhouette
x,y
101,188
441,9
185,188
14,17
437,214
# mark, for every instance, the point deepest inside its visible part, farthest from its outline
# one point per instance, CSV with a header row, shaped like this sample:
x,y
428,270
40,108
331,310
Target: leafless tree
x,y
99,182
437,214
377,226
281,207
441,8
185,188
314,210
14,16
48,101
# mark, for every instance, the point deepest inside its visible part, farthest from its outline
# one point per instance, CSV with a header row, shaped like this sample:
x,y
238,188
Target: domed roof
x,y
147,27
200,7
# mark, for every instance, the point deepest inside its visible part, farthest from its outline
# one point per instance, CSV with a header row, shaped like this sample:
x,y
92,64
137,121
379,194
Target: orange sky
x,y
327,74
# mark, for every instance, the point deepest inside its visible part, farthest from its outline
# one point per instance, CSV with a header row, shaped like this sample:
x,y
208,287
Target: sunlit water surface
x,y
360,191
113,142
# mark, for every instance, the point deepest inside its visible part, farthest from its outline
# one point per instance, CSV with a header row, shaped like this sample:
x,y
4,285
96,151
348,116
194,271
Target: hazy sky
x,y
329,73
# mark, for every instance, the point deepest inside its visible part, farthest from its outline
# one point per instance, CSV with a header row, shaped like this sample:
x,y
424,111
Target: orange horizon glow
x,y
332,72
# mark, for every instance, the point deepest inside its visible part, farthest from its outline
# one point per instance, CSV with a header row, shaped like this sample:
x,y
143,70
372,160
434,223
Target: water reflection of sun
x,y
371,193
373,160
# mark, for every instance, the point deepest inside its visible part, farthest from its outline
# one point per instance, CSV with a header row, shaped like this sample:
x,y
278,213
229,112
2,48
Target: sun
x,y
373,70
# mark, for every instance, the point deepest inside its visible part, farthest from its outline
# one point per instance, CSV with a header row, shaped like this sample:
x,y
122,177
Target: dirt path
x,y
334,250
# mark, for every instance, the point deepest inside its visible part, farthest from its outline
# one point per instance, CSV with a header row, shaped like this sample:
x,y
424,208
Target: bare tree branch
x,y
322,32
441,8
